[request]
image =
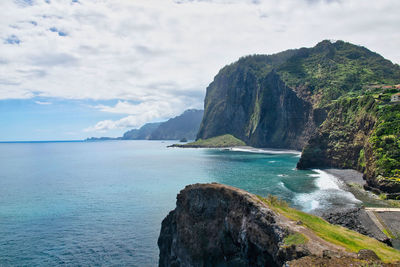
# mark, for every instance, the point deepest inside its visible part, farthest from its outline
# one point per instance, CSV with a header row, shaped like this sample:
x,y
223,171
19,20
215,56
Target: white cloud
x,y
139,114
157,51
43,103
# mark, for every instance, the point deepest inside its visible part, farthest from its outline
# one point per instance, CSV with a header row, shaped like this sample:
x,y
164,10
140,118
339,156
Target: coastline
x,y
368,219
353,182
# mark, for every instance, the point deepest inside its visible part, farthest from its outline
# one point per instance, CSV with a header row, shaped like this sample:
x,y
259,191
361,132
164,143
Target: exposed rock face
x,y
340,139
217,225
263,113
282,101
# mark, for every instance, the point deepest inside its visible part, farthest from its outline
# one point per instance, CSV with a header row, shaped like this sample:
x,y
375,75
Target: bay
x,y
102,203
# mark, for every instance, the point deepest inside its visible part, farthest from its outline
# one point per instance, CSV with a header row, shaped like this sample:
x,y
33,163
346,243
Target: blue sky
x,y
50,119
71,69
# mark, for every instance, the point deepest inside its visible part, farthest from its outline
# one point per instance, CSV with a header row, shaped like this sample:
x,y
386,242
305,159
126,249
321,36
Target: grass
x,y
295,239
350,240
226,140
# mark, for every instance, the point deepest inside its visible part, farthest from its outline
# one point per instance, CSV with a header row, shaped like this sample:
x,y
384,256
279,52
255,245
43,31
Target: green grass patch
x,y
295,239
226,140
350,240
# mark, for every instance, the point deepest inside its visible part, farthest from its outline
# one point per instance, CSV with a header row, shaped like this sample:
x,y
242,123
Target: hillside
x,y
286,99
185,125
143,133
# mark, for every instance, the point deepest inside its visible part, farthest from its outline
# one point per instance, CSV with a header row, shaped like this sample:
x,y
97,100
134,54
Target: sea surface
x,y
102,203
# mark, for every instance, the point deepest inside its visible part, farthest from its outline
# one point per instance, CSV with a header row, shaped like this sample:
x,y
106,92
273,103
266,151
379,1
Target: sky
x,y
71,69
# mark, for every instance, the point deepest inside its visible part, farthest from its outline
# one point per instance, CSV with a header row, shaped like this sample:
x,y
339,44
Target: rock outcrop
x,y
262,113
218,225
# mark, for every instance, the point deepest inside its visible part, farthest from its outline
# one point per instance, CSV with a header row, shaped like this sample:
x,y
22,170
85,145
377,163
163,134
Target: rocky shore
x,y
218,225
358,219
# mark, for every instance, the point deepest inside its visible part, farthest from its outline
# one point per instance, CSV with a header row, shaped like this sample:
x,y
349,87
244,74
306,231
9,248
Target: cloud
x,y
43,103
157,51
139,114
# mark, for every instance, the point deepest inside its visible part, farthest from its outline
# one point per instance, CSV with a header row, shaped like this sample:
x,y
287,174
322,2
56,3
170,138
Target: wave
x,y
329,194
265,150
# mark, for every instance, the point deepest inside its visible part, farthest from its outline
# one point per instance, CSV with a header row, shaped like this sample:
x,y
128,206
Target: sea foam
x,y
330,193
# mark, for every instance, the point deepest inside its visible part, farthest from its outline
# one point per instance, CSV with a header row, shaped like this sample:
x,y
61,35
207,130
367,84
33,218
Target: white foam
x,y
265,150
326,180
329,193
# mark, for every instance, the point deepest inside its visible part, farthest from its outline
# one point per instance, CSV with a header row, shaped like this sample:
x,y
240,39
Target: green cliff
x,y
332,94
361,133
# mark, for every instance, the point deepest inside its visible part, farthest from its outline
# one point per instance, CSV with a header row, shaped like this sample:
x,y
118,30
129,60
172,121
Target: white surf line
x,y
263,150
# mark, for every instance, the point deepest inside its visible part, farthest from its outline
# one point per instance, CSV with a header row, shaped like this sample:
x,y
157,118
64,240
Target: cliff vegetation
x,y
219,225
226,140
332,101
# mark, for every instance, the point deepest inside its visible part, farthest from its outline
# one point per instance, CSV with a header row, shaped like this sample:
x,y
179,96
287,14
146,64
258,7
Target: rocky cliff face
x,y
353,136
282,101
342,136
263,113
218,225
279,100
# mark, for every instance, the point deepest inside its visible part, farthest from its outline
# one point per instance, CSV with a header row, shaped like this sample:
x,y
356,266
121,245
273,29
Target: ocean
x,y
102,203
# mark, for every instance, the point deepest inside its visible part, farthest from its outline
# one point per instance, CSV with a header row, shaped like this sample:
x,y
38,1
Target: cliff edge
x,y
218,225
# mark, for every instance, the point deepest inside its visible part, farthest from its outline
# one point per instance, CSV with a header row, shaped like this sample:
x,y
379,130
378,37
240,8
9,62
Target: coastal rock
x,y
261,112
218,225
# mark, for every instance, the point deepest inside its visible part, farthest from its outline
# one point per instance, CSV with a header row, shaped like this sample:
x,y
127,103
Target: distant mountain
x,y
102,138
143,133
185,125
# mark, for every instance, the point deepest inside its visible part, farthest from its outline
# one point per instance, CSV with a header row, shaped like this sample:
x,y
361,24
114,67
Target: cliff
x,y
262,113
218,225
325,99
279,100
360,133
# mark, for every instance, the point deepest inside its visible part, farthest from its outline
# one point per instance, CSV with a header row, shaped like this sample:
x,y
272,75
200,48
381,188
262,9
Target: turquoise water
x,y
102,203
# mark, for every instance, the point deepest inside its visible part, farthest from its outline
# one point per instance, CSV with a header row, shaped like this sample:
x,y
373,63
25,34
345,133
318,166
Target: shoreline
x,y
249,149
353,182
375,222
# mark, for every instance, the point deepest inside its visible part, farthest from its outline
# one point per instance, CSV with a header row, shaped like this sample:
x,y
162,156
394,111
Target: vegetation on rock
x,y
226,140
331,100
335,234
